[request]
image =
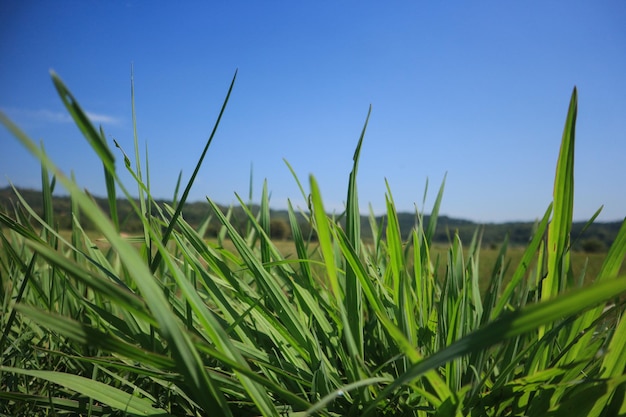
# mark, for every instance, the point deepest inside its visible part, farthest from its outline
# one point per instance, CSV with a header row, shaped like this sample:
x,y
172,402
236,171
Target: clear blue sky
x,y
477,90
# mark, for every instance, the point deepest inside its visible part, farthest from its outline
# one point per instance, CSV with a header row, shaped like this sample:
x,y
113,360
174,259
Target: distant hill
x,y
598,237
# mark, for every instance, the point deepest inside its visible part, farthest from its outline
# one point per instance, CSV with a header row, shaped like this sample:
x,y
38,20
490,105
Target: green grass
x,y
168,323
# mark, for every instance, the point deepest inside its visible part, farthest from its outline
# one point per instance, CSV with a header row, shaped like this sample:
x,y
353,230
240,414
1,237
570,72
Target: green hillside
x,y
596,238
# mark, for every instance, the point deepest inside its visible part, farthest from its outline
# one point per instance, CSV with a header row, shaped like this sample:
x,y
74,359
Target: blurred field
x,y
587,263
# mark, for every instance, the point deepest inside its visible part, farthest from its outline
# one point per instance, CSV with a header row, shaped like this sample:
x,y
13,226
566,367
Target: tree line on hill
x,y
596,238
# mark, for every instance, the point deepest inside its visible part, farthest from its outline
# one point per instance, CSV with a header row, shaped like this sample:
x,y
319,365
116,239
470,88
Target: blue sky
x,y
477,90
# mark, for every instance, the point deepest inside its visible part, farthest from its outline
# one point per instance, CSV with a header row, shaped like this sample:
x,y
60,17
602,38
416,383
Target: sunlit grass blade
x,y
563,205
95,139
394,244
325,242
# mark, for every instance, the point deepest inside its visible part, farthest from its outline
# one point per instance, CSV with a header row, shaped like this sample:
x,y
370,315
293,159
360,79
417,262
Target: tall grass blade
x,y
434,215
563,206
325,239
353,231
183,198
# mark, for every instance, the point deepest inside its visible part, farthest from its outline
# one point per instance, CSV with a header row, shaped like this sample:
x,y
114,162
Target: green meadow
x,y
343,319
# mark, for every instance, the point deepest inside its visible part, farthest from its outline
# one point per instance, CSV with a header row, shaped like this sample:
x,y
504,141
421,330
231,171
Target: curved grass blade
x,y
97,142
183,198
113,397
78,407
321,404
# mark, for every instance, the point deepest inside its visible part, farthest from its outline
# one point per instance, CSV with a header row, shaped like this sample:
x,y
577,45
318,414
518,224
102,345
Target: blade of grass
x,y
183,198
434,215
264,222
353,230
524,264
113,397
563,203
97,142
356,369
109,180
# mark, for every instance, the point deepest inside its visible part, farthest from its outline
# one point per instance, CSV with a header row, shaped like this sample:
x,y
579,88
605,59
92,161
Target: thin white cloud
x,y
50,116
41,115
103,118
